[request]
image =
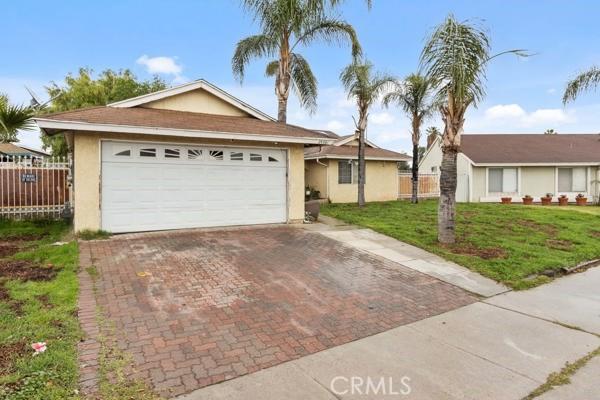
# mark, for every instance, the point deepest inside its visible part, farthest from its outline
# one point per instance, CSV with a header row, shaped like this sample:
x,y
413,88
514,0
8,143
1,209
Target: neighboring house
x,y
189,156
11,151
515,165
333,170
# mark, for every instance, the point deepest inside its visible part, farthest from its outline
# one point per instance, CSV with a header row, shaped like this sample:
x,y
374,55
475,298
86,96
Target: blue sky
x,y
195,39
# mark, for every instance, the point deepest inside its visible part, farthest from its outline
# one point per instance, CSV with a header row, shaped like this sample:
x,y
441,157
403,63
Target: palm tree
x,y
455,58
286,26
582,82
414,96
366,87
13,118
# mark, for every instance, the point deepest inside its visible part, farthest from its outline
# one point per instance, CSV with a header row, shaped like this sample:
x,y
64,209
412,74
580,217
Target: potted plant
x,y
581,200
527,200
546,200
563,200
506,200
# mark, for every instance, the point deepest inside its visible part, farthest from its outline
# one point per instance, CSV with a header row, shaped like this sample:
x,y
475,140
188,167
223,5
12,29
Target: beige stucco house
x,y
332,170
189,156
514,165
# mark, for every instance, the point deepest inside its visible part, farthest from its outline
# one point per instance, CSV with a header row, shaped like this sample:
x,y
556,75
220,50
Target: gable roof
x,y
154,121
188,87
531,148
350,152
14,150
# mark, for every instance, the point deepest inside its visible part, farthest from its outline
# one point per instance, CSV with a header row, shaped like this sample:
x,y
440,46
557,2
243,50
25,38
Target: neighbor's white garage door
x,y
167,186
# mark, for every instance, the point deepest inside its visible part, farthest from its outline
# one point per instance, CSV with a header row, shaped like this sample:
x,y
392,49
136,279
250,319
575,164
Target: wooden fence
x,y
34,187
429,185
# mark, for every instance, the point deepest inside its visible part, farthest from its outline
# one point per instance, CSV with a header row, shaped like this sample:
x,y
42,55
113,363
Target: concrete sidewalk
x,y
407,255
502,348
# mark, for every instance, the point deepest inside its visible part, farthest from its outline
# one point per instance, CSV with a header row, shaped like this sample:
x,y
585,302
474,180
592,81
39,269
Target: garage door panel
x,y
140,193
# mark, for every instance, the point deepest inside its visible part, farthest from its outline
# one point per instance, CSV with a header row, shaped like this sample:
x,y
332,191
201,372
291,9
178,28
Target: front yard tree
x,y
13,118
583,82
286,26
414,96
83,90
365,87
455,58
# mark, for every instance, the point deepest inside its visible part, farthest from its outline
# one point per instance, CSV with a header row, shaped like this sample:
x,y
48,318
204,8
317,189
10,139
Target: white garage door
x,y
168,186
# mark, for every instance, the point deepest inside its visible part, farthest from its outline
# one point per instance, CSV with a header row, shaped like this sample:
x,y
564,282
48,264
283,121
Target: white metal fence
x,y
35,187
429,185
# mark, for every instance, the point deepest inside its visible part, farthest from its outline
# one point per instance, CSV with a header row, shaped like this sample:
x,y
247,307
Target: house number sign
x,y
28,178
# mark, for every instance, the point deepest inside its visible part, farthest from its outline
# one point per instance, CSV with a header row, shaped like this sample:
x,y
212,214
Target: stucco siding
x,y
478,178
87,172
381,184
315,176
199,101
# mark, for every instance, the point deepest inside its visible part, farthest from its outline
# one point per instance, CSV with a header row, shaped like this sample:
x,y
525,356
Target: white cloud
x,y
382,118
502,111
160,65
551,91
335,125
548,116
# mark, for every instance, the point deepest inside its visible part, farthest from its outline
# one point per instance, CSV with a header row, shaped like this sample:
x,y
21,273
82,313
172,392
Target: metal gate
x,y
35,187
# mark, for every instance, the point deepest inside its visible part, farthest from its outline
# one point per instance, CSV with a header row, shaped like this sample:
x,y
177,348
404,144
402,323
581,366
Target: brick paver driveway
x,y
223,303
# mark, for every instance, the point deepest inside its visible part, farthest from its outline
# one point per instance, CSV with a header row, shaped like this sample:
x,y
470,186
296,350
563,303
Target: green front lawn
x,y
38,296
505,243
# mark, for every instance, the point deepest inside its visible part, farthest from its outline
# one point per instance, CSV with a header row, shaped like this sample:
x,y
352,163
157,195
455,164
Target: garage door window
x,y
236,156
255,157
273,159
147,152
171,153
194,154
123,153
215,155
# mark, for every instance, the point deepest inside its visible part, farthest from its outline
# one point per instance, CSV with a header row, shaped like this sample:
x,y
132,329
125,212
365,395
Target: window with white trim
x,y
503,180
348,172
572,179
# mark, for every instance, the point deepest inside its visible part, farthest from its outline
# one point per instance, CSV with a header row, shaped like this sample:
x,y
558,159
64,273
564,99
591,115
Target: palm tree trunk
x,y
447,203
282,109
415,174
361,167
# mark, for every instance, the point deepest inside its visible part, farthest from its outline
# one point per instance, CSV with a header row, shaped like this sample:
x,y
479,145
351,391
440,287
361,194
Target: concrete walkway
x,y
407,255
502,348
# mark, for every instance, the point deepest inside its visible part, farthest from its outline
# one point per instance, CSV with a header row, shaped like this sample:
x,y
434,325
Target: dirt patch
x,y
16,306
45,301
469,214
545,228
8,249
9,353
29,237
486,253
595,234
559,244
25,271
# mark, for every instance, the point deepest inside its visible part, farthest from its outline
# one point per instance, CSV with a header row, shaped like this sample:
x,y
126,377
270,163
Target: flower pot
x,y
527,201
546,200
506,200
581,201
563,201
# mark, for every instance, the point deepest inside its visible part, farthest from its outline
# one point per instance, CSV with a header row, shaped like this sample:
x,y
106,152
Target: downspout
x,y
326,175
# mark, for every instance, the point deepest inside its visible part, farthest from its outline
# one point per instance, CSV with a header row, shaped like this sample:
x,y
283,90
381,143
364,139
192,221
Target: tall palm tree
x,y
415,96
365,87
286,26
585,81
455,58
13,118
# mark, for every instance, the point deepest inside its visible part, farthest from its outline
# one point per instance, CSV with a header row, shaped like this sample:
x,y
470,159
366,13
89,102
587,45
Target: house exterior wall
x,y
315,176
381,183
478,178
87,172
431,162
199,101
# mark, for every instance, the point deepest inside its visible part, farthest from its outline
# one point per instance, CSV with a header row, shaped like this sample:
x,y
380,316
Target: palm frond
x,y
304,83
272,68
414,95
251,47
330,31
583,82
14,118
363,85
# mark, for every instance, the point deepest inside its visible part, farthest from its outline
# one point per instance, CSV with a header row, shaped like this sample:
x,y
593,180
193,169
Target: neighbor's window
x,y
147,152
502,180
572,179
344,171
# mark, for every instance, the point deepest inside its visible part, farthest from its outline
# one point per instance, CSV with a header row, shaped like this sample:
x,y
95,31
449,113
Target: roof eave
x,y
338,157
50,124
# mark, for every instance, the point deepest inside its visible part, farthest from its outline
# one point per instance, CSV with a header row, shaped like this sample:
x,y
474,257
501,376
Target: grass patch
x,y
563,377
38,303
88,234
507,243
